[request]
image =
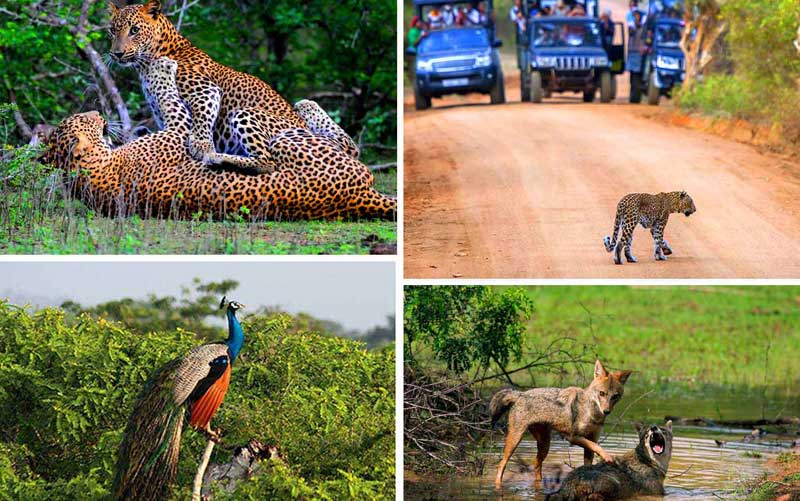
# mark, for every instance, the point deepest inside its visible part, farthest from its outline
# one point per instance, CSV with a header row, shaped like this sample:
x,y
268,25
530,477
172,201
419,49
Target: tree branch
x,y
197,487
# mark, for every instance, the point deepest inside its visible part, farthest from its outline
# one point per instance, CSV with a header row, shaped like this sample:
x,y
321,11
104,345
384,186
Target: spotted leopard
x,y
154,176
651,211
230,109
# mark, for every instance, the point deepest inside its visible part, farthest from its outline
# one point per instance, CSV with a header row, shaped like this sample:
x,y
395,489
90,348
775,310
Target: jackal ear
x,y
623,376
668,425
639,426
599,370
153,8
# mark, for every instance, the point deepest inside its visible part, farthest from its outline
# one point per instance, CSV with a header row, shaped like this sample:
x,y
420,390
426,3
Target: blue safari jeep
x,y
656,63
456,60
569,54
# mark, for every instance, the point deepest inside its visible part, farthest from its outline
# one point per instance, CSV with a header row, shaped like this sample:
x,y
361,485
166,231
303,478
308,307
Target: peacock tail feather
x,y
148,457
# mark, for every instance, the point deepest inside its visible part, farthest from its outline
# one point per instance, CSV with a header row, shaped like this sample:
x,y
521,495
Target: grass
x,y
713,351
784,482
37,216
699,335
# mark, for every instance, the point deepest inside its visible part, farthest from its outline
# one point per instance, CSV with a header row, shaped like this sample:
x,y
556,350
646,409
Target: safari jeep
x,y
567,54
456,60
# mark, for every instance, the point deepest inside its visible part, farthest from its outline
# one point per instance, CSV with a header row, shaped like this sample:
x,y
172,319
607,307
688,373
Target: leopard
x,y
651,211
155,176
230,110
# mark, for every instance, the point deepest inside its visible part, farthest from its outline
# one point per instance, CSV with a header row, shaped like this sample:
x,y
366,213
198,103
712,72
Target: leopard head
x,y
683,203
135,32
73,139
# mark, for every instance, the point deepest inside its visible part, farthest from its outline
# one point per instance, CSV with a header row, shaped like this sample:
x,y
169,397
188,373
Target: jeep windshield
x,y
454,40
565,33
668,35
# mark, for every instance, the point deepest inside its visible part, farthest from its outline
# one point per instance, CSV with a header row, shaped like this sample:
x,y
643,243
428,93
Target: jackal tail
x,y
502,402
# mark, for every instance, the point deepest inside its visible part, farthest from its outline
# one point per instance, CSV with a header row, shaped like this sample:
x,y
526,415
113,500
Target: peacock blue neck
x,y
235,334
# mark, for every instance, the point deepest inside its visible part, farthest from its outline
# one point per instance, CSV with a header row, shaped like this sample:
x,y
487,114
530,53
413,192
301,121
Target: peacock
x,y
195,383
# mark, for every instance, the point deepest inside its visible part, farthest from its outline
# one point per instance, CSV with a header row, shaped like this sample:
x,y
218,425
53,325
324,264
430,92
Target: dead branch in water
x,y
744,423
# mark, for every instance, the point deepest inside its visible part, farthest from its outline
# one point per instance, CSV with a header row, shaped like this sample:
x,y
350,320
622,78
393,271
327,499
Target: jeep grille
x,y
454,64
573,63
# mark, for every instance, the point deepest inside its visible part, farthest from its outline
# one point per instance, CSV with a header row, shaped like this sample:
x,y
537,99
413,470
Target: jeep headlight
x,y
483,61
545,61
424,66
668,63
600,61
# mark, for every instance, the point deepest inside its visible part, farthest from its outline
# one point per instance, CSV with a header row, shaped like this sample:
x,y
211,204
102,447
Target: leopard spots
x,y
213,92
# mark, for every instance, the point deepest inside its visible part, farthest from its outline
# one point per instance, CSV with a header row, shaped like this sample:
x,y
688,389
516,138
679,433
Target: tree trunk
x,y
704,23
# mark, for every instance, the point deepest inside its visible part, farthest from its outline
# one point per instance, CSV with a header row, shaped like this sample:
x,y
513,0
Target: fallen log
x,y
245,463
744,423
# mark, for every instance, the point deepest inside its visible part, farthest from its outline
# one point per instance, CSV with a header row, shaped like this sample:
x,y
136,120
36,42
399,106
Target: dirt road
x,y
529,191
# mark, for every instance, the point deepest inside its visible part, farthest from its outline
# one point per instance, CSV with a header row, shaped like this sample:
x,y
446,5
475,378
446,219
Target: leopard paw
x,y
201,150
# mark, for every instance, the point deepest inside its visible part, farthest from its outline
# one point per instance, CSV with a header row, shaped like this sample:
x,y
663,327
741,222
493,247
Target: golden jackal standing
x,y
577,413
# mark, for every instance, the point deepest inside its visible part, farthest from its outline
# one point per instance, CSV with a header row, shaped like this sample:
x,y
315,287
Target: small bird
x,y
197,383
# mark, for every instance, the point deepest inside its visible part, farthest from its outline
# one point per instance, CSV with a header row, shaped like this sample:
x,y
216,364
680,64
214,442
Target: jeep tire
x,y
498,92
525,86
421,102
653,92
605,87
636,88
537,93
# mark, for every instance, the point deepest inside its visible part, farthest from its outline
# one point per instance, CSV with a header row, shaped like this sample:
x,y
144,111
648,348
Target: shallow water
x,y
699,469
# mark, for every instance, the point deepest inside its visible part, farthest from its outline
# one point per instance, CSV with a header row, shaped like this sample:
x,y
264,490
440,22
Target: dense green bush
x,y
759,79
67,388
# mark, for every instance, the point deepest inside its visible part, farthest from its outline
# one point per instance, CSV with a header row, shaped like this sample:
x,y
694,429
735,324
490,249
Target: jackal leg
x,y
513,437
542,435
593,446
588,454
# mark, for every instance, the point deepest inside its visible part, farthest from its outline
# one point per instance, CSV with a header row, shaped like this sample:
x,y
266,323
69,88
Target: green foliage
x,y
466,325
67,388
343,51
760,82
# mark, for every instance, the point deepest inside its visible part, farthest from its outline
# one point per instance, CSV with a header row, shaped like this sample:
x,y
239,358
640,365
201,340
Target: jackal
x,y
577,413
638,472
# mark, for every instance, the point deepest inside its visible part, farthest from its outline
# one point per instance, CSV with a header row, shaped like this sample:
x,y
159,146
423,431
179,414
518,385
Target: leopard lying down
x,y
154,175
651,211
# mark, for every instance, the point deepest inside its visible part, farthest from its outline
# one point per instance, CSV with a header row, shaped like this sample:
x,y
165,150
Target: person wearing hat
x,y
417,31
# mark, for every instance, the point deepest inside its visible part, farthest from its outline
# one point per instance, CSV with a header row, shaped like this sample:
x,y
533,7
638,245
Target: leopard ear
x,y
153,8
684,194
112,9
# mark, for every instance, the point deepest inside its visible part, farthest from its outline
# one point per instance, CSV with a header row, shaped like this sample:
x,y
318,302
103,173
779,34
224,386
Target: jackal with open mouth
x,y
639,472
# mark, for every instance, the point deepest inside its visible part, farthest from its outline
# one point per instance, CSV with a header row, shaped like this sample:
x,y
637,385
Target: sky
x,y
357,295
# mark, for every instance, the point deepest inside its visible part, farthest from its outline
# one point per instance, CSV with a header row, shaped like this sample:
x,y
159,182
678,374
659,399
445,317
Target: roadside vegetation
x,y
69,377
752,71
298,48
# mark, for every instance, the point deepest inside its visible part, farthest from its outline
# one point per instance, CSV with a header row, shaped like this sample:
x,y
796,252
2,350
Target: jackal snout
x,y
608,387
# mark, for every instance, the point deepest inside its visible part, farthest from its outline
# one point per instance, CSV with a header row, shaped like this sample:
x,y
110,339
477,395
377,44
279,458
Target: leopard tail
x,y
611,241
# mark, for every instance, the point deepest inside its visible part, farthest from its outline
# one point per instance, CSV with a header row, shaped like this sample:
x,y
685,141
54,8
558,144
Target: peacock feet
x,y
213,435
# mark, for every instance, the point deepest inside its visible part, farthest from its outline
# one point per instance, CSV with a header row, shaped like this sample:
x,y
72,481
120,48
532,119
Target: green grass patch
x,y
38,216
